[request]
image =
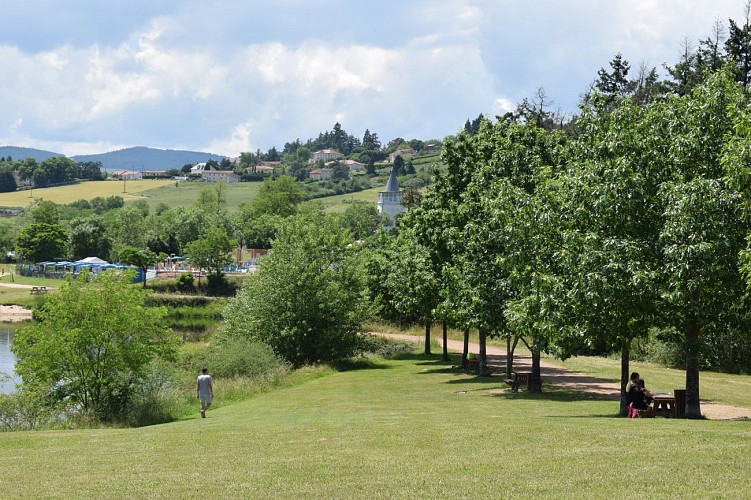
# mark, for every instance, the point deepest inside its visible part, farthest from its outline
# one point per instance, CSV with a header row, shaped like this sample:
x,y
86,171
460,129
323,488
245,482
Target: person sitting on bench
x,y
638,397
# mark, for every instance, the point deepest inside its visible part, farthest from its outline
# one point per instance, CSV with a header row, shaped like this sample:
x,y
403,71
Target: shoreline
x,y
14,314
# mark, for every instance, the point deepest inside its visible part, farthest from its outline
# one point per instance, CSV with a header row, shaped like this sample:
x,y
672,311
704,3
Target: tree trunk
x,y
625,360
483,352
510,348
536,383
465,352
693,408
427,337
445,341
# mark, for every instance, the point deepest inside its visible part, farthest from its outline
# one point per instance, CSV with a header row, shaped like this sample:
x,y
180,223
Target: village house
x,y
353,165
325,155
154,174
220,175
128,175
321,174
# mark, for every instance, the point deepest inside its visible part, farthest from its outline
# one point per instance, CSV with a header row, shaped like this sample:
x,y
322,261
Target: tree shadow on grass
x,y
354,364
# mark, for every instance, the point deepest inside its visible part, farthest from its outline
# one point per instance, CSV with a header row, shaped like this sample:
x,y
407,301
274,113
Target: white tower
x,y
390,199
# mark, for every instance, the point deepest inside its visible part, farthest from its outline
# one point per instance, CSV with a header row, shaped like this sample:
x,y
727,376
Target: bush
x,y
155,398
26,409
185,282
238,357
668,354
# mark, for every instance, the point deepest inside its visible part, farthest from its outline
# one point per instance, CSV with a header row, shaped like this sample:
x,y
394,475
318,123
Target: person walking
x,y
205,390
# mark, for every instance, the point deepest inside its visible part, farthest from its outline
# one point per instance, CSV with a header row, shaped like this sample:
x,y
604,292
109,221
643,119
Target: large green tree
x,y
91,344
307,299
88,238
42,242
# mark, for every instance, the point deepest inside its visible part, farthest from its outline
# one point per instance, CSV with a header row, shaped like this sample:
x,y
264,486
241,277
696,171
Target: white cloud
x,y
230,78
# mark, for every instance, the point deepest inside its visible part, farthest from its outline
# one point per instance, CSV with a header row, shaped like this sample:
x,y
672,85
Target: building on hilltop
x,y
220,175
325,155
390,199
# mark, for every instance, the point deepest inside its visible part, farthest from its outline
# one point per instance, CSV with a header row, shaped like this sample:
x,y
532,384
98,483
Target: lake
x,y
7,359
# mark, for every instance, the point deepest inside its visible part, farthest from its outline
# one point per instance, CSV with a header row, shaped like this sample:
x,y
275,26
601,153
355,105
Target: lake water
x,y
7,360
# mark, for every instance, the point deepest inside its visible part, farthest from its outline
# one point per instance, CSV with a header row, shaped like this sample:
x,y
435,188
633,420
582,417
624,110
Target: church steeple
x,y
392,186
390,199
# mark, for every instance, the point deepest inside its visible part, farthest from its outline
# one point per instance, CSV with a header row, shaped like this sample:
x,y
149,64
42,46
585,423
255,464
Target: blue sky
x,y
225,76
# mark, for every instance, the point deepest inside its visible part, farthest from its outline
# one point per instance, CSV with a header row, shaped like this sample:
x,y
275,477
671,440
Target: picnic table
x,y
38,290
664,406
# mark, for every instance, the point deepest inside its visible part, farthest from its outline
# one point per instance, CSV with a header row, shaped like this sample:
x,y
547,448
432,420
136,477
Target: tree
x,y
88,238
279,196
307,299
413,282
41,242
212,252
45,211
738,47
92,344
399,165
7,180
142,258
362,219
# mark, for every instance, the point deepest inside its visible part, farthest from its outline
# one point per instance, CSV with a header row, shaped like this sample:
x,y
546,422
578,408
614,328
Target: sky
x,y
227,76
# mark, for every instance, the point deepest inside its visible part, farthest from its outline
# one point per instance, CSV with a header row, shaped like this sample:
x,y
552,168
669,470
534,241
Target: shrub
x,y
185,282
238,357
156,397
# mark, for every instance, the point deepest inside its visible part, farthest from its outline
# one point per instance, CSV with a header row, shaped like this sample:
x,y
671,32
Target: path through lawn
x,y
559,377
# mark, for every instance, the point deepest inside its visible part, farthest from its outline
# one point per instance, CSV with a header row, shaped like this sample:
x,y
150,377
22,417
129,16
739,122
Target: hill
x,y
19,153
143,158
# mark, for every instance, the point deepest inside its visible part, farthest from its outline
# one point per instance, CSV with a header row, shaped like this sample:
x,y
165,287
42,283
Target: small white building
x,y
129,175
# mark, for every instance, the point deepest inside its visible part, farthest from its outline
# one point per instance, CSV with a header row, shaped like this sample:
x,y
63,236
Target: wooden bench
x,y
519,379
472,366
38,290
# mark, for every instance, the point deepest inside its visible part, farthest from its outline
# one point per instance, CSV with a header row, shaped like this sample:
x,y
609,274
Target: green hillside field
x,y
407,428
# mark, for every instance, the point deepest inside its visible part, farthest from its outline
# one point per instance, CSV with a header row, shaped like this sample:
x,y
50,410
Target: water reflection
x,y
7,359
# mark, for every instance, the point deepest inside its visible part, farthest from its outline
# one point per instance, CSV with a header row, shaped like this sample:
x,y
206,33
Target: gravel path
x,y
560,377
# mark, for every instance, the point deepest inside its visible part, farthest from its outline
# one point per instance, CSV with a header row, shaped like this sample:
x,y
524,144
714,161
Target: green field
x,y
339,203
410,428
134,190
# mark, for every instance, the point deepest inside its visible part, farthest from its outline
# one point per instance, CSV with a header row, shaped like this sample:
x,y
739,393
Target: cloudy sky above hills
x,y
225,76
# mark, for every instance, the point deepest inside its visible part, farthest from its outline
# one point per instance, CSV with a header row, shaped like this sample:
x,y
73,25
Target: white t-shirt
x,y
204,382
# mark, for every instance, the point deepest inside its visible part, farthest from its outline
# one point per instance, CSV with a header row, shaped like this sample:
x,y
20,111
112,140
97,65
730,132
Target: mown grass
x,y
721,388
22,296
397,429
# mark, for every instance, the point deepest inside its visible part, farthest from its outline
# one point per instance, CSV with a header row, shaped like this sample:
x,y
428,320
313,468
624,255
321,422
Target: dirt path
x,y
560,377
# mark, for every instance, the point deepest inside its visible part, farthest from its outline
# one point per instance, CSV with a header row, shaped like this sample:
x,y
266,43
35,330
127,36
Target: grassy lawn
x,y
22,296
410,428
722,388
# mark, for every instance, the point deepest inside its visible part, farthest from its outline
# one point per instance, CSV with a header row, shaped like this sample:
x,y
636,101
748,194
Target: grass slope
x,y
409,428
84,191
